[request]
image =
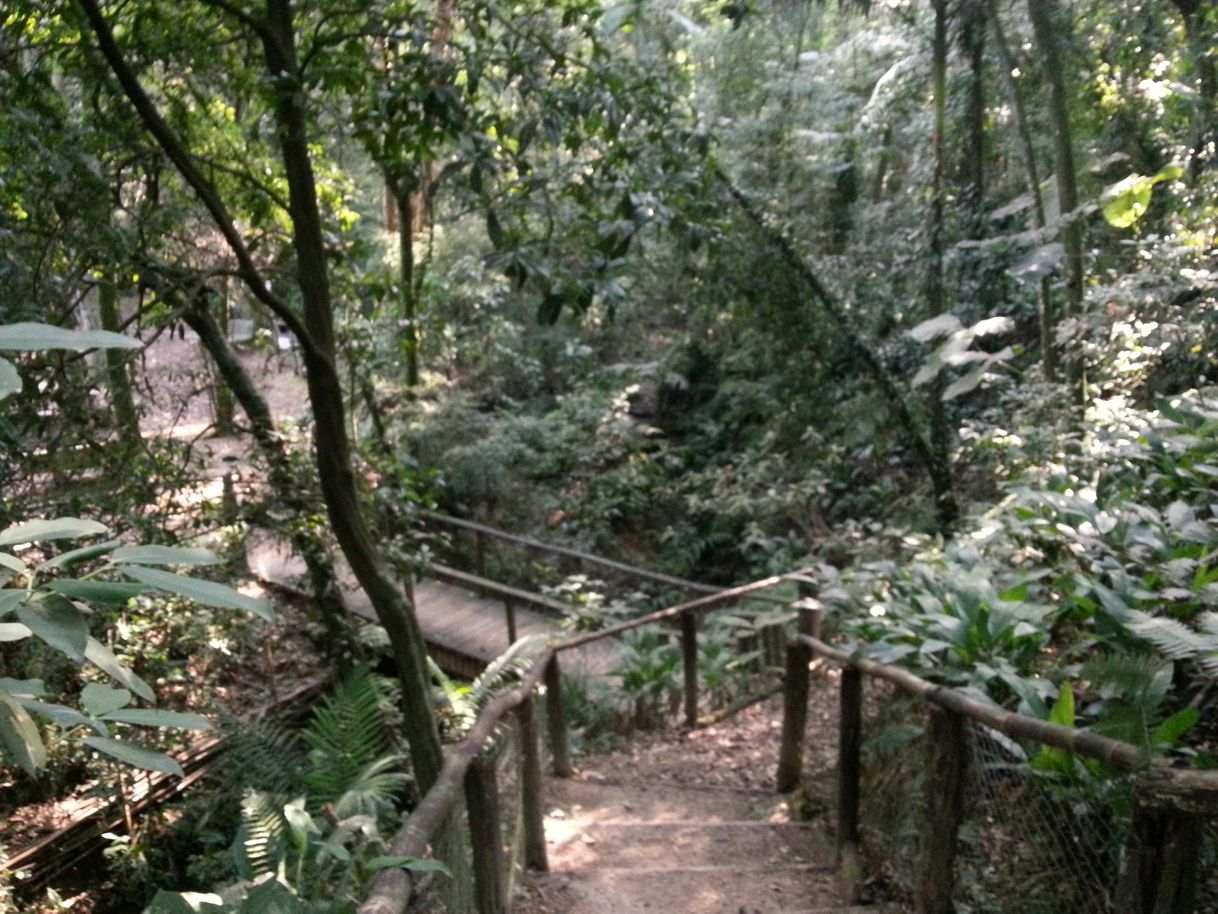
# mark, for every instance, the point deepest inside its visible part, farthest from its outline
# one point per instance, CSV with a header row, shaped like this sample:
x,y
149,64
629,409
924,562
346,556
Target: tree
x,y
274,31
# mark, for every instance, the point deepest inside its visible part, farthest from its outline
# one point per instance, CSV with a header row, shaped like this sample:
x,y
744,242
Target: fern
x,y
505,669
263,830
1177,641
263,755
347,736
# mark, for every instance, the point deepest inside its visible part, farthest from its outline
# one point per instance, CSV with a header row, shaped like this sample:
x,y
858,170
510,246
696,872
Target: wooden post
x,y
947,764
689,655
480,553
1161,858
794,716
530,789
486,835
849,765
556,720
509,612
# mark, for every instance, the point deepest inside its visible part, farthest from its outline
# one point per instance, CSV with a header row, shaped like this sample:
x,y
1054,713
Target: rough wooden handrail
x,y
390,892
1113,752
491,588
585,557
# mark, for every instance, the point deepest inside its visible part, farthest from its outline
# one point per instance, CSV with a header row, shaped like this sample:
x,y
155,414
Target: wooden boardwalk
x,y
464,631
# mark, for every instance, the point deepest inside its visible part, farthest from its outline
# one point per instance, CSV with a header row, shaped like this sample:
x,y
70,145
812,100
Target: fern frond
x,y
505,669
375,788
1176,640
264,829
348,732
263,755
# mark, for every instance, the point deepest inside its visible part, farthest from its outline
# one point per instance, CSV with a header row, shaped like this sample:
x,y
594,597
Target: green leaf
x,y
164,555
60,624
1169,732
98,699
112,593
58,528
12,563
153,717
19,735
1062,711
63,715
10,381
184,903
76,556
13,631
134,754
208,593
1125,202
10,599
22,688
31,337
376,864
99,655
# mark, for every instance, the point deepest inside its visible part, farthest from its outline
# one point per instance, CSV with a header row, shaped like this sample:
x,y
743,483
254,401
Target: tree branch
x,y
177,153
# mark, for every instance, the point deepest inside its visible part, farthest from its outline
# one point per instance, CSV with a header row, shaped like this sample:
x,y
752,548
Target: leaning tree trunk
x,y
122,402
315,332
341,646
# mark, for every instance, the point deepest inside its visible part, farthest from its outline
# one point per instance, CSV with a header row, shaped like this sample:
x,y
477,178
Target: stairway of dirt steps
x,y
625,839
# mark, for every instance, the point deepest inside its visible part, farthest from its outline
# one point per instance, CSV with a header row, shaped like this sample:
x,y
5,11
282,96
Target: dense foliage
x,y
919,294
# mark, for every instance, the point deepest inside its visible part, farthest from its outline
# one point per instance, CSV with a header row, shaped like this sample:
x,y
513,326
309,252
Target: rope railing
x,y
1170,806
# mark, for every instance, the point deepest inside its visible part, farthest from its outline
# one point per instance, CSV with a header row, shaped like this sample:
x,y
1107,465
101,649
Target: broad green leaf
x,y
41,531
31,337
152,717
13,631
113,593
98,699
376,864
63,715
134,754
101,657
19,735
10,599
1169,732
60,624
22,688
1125,202
208,593
184,903
76,556
1063,708
164,555
12,563
10,381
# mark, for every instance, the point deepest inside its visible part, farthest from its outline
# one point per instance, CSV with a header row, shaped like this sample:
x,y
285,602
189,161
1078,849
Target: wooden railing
x,y
468,771
1171,806
483,534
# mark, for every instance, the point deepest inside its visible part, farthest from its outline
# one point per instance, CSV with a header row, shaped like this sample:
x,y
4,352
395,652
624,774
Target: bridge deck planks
x,y
463,631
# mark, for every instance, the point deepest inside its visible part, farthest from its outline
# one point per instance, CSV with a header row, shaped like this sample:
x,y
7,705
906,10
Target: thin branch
x,y
177,153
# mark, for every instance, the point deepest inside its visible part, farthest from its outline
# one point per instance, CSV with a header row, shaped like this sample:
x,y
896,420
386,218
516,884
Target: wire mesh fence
x,y
1032,841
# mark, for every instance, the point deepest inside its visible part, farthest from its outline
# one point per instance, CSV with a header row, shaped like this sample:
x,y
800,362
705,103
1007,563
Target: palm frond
x,y
1176,640
506,669
263,830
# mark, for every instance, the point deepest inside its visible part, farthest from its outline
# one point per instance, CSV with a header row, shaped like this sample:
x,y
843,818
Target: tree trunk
x,y
122,403
333,447
1048,25
1047,319
341,646
976,296
936,294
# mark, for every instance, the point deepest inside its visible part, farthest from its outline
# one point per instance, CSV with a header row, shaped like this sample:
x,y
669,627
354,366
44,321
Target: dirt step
x,y
598,801
692,890
580,844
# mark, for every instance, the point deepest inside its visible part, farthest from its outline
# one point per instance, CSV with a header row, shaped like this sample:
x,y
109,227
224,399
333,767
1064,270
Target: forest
x,y
916,298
